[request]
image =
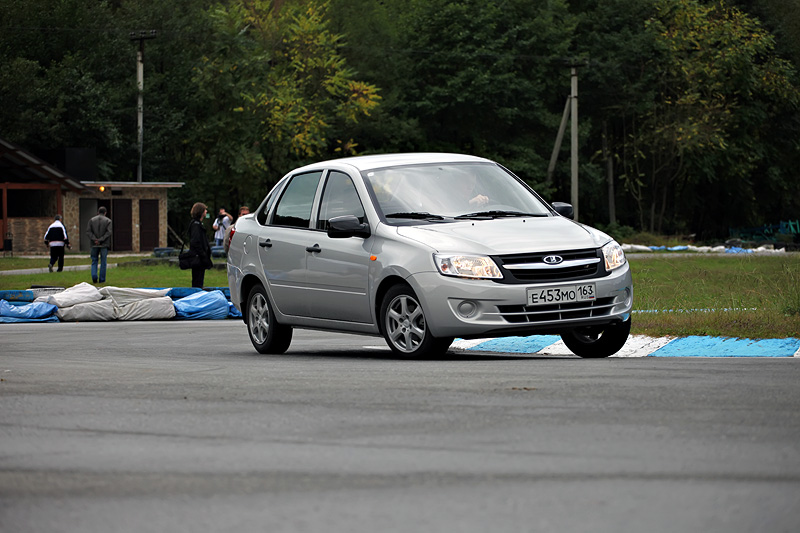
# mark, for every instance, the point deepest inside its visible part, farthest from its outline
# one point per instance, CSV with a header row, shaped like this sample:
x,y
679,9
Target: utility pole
x,y
574,141
570,111
140,36
551,168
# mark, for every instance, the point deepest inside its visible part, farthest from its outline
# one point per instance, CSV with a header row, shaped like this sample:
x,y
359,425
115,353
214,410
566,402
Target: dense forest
x,y
688,118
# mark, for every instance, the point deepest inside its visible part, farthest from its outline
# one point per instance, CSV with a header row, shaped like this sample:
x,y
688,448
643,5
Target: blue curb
x,y
532,344
728,347
639,346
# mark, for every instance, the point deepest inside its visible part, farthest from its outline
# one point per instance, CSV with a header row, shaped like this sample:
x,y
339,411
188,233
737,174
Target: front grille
x,y
525,314
531,268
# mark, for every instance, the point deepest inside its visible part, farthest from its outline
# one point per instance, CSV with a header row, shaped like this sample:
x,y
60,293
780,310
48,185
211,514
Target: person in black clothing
x,y
198,243
56,238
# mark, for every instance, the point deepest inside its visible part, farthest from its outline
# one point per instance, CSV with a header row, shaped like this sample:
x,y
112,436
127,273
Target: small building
x,y
33,191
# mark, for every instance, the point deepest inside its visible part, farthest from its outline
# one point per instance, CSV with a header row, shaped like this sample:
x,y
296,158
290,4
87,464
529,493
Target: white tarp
x,y
98,311
161,308
78,294
123,296
85,303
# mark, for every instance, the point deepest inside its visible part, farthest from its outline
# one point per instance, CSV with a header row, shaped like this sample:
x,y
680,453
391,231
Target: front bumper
x,y
467,308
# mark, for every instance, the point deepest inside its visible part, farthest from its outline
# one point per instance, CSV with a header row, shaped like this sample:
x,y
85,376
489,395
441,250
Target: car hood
x,y
506,235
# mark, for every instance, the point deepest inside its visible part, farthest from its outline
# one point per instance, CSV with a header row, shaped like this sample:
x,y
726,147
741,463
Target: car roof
x,y
370,162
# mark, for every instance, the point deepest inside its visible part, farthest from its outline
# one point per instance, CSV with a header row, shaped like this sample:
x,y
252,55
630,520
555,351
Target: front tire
x,y
266,334
404,326
597,341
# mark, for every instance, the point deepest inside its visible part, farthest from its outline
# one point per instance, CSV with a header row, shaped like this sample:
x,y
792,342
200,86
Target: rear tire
x,y
404,326
597,341
266,334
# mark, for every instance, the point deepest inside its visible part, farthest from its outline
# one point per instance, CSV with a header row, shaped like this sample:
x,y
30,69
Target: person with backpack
x,y
56,238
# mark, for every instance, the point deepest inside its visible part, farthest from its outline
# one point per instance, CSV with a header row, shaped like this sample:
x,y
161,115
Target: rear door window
x,y
294,206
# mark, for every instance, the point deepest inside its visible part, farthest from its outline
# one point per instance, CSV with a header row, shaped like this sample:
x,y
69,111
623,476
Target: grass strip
x,y
746,296
130,273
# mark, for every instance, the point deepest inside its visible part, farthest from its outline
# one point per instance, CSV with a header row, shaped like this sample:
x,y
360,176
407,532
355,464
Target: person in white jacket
x,y
221,225
56,238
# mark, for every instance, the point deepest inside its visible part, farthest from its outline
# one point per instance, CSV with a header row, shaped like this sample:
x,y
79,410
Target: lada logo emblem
x,y
553,259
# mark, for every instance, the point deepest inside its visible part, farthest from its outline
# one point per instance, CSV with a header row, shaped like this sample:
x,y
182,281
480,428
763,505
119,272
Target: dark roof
x,y
20,166
133,184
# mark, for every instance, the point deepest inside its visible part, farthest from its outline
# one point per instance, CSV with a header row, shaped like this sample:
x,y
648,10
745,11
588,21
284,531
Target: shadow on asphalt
x,y
362,354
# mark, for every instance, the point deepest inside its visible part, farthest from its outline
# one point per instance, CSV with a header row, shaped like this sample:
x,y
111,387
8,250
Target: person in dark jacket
x,y
99,232
198,243
56,238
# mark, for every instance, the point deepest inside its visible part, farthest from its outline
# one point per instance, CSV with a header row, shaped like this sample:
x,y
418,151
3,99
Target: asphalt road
x,y
182,426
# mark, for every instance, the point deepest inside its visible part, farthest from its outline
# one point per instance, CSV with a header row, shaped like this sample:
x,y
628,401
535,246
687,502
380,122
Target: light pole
x,y
140,36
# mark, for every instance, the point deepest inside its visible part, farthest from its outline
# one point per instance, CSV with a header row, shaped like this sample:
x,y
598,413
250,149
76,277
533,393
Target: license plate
x,y
563,294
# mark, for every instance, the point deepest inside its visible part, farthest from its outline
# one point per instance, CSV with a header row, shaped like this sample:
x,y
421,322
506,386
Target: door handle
x,y
313,249
265,244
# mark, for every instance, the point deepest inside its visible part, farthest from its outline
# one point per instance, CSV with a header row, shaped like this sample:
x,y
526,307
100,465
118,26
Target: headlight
x,y
614,255
467,266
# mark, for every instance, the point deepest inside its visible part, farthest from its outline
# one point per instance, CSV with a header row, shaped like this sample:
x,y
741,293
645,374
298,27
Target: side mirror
x,y
347,226
563,209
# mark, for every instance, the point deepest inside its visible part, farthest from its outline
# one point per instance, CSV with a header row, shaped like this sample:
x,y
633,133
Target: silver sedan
x,y
421,249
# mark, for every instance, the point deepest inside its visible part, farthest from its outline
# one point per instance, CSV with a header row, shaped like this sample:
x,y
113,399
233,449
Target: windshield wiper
x,y
421,215
497,214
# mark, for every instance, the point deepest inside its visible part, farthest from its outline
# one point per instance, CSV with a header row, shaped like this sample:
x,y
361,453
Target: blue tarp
x,y
176,293
32,312
737,250
233,312
17,296
225,290
203,306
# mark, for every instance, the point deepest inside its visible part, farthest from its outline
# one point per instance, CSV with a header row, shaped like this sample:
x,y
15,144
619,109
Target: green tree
x,y
373,36
59,72
484,77
782,18
701,91
274,92
170,96
616,87
720,83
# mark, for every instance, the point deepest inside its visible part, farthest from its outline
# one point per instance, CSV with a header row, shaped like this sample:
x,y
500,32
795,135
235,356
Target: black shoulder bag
x,y
187,259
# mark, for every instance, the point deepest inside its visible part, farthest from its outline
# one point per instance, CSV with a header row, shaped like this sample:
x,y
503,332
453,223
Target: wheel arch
x,y
248,282
384,286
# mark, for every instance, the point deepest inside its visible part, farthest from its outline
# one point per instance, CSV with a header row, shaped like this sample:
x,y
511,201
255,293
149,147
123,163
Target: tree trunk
x,y
663,209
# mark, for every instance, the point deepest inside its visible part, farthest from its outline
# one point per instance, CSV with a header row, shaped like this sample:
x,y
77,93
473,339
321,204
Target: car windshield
x,y
452,190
